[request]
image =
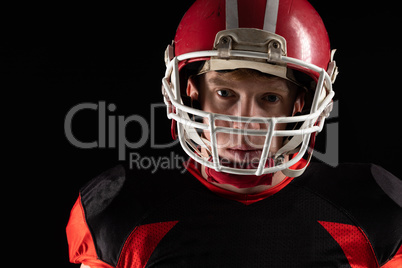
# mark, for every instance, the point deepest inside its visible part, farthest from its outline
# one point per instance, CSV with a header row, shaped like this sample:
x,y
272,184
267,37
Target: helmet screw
x,y
275,45
225,40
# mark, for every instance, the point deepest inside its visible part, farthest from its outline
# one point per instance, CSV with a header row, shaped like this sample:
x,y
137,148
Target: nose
x,y
247,125
247,108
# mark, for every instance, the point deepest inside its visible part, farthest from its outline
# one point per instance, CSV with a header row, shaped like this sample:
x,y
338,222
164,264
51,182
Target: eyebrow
x,y
219,81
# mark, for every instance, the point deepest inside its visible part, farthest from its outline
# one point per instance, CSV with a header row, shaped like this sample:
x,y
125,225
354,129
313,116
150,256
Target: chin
x,y
236,157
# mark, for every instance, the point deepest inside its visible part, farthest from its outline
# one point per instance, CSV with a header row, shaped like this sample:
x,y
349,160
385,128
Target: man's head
x,y
236,85
245,93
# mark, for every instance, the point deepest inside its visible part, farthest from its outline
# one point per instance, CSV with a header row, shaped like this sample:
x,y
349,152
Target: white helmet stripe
x,y
232,15
271,15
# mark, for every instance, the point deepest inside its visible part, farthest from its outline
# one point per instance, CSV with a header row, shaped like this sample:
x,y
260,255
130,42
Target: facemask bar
x,y
190,140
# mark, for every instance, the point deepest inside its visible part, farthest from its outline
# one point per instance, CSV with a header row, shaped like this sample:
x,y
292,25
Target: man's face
x,y
246,94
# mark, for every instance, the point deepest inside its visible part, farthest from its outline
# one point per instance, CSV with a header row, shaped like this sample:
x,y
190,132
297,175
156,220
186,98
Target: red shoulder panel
x,y
80,243
142,242
354,243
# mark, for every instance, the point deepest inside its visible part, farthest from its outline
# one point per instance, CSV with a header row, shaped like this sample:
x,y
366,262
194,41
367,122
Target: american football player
x,y
248,85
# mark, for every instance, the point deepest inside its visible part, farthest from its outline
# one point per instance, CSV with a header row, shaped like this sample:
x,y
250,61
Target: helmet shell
x,y
296,20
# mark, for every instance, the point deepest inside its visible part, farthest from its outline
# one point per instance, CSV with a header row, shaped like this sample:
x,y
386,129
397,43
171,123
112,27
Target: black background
x,y
56,56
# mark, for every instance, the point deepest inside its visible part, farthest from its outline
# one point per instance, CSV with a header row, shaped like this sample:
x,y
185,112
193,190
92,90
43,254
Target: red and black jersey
x,y
349,216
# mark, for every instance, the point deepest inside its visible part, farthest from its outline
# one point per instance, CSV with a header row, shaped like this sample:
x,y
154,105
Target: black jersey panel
x,y
354,189
212,231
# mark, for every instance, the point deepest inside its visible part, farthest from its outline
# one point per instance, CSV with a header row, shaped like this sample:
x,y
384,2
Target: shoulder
x,y
354,181
123,195
390,184
99,192
83,228
120,187
366,193
118,200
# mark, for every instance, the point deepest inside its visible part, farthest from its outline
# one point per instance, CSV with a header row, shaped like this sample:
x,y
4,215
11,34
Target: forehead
x,y
244,77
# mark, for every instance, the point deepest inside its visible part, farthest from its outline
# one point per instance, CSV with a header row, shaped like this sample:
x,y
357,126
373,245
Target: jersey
x,y
348,216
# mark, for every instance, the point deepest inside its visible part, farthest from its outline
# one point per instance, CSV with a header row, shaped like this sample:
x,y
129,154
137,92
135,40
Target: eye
x,y
271,98
225,93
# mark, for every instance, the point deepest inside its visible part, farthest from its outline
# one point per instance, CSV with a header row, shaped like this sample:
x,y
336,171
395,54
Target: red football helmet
x,y
285,38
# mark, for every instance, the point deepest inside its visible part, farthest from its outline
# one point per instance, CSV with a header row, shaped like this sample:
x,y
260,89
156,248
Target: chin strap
x,y
293,173
291,148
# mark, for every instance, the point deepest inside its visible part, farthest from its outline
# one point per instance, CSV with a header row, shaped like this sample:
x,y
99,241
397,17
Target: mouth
x,y
244,155
245,149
